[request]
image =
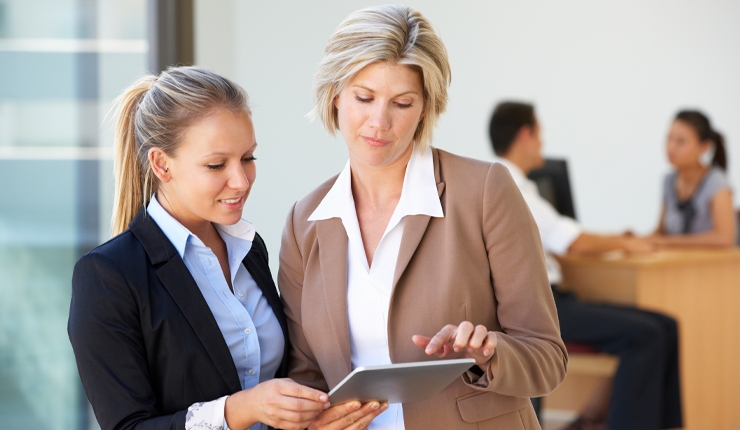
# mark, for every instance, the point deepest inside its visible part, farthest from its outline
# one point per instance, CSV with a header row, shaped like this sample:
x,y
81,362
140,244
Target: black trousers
x,y
646,392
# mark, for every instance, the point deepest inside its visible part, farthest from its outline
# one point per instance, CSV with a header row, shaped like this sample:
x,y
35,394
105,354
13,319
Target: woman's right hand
x,y
350,416
279,403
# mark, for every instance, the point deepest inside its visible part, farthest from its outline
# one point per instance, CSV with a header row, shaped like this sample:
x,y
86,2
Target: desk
x,y
701,290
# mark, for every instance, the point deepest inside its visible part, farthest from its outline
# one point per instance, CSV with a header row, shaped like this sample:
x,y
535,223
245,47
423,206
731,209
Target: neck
x,y
375,185
692,174
519,161
203,229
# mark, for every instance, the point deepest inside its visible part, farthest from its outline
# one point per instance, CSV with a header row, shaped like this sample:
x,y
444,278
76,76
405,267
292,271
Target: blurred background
x,y
606,79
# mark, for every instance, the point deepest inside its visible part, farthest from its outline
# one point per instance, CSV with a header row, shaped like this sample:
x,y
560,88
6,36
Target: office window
x,y
62,62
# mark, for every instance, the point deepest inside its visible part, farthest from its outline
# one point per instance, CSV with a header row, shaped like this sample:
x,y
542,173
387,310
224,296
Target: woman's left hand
x,y
464,340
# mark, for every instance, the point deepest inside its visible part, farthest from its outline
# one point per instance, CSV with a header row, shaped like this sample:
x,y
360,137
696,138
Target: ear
x,y
159,161
524,134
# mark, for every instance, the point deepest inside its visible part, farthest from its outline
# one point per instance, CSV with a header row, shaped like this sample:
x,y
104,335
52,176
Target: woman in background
x,y
412,252
175,322
697,199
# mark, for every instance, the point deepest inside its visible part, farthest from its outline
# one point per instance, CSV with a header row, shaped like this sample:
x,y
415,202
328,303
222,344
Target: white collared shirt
x,y
369,288
557,232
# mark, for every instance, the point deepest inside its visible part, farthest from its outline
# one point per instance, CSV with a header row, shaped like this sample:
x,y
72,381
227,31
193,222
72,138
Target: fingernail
x,y
385,406
324,398
487,352
326,405
356,405
375,405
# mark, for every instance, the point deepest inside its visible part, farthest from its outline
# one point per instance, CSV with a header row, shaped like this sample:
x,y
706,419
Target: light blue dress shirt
x,y
246,320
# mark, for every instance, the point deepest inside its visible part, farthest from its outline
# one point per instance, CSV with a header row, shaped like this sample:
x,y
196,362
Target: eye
x,y
404,105
214,166
363,99
248,159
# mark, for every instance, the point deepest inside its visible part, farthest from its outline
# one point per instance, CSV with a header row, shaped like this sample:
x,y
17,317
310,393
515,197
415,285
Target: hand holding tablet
x,y
363,394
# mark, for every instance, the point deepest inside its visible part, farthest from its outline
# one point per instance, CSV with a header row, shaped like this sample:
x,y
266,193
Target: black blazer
x,y
146,343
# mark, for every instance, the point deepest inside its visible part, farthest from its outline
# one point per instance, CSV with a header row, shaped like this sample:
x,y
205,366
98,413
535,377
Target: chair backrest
x,y
554,185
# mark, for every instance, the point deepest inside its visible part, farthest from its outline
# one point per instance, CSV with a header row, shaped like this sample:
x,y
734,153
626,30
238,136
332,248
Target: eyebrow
x,y
228,153
397,95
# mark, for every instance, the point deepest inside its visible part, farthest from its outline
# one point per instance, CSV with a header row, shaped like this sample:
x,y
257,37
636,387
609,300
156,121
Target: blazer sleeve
x,y
530,358
107,340
304,368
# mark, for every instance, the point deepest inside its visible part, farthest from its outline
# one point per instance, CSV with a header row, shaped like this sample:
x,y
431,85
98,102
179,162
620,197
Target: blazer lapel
x,y
414,229
333,241
256,265
176,278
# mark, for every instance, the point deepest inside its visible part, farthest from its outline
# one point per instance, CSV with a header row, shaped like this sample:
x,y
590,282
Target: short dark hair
x,y
507,119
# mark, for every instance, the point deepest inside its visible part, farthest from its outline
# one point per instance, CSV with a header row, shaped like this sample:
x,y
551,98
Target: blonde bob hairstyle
x,y
392,33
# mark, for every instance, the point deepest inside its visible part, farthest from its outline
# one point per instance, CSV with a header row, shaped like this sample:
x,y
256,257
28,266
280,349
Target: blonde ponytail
x,y
155,112
132,174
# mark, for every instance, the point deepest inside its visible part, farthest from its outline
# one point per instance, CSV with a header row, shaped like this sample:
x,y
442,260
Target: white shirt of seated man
x,y
557,232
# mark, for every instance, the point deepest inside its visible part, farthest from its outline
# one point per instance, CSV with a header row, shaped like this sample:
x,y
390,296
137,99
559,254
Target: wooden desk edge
x,y
660,258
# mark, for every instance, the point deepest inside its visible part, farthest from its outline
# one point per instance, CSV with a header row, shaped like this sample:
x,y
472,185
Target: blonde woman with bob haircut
x,y
175,322
412,253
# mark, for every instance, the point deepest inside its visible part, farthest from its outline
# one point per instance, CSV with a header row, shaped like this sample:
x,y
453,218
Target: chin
x,y
231,220
226,219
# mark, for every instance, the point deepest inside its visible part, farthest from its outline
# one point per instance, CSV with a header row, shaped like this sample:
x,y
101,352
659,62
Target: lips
x,y
372,141
235,203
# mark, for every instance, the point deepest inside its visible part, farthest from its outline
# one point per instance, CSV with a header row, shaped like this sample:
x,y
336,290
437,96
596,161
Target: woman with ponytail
x,y
176,322
697,199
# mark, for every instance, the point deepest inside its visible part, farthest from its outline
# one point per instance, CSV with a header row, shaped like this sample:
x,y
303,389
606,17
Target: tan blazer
x,y
483,262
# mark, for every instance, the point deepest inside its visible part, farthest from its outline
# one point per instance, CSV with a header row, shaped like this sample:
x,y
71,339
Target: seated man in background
x,y
645,391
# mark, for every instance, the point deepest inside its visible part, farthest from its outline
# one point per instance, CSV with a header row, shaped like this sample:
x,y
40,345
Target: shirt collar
x,y
521,180
516,172
238,237
419,194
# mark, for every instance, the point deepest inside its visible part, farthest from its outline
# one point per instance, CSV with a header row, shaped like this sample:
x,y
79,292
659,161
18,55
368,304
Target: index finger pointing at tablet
x,y
441,338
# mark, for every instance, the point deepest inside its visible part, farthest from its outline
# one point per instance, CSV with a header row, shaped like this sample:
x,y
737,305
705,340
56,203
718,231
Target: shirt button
x,y
247,331
251,372
240,294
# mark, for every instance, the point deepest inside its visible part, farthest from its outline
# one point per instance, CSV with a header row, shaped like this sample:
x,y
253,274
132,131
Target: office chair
x,y
553,183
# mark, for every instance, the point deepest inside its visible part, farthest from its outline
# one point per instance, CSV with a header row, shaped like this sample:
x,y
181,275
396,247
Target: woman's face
x,y
212,172
378,112
683,147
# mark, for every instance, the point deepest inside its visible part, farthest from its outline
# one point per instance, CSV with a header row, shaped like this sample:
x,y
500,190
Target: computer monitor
x,y
554,185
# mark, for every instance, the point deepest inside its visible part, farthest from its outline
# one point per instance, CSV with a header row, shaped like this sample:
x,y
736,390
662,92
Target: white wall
x,y
606,78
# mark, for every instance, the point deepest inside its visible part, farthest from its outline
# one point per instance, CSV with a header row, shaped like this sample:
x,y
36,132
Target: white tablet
x,y
399,383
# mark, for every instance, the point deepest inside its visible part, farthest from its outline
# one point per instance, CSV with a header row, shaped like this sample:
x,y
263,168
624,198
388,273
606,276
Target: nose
x,y
238,178
380,117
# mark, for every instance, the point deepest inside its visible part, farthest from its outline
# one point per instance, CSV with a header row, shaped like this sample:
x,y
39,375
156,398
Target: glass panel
x,y
62,62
